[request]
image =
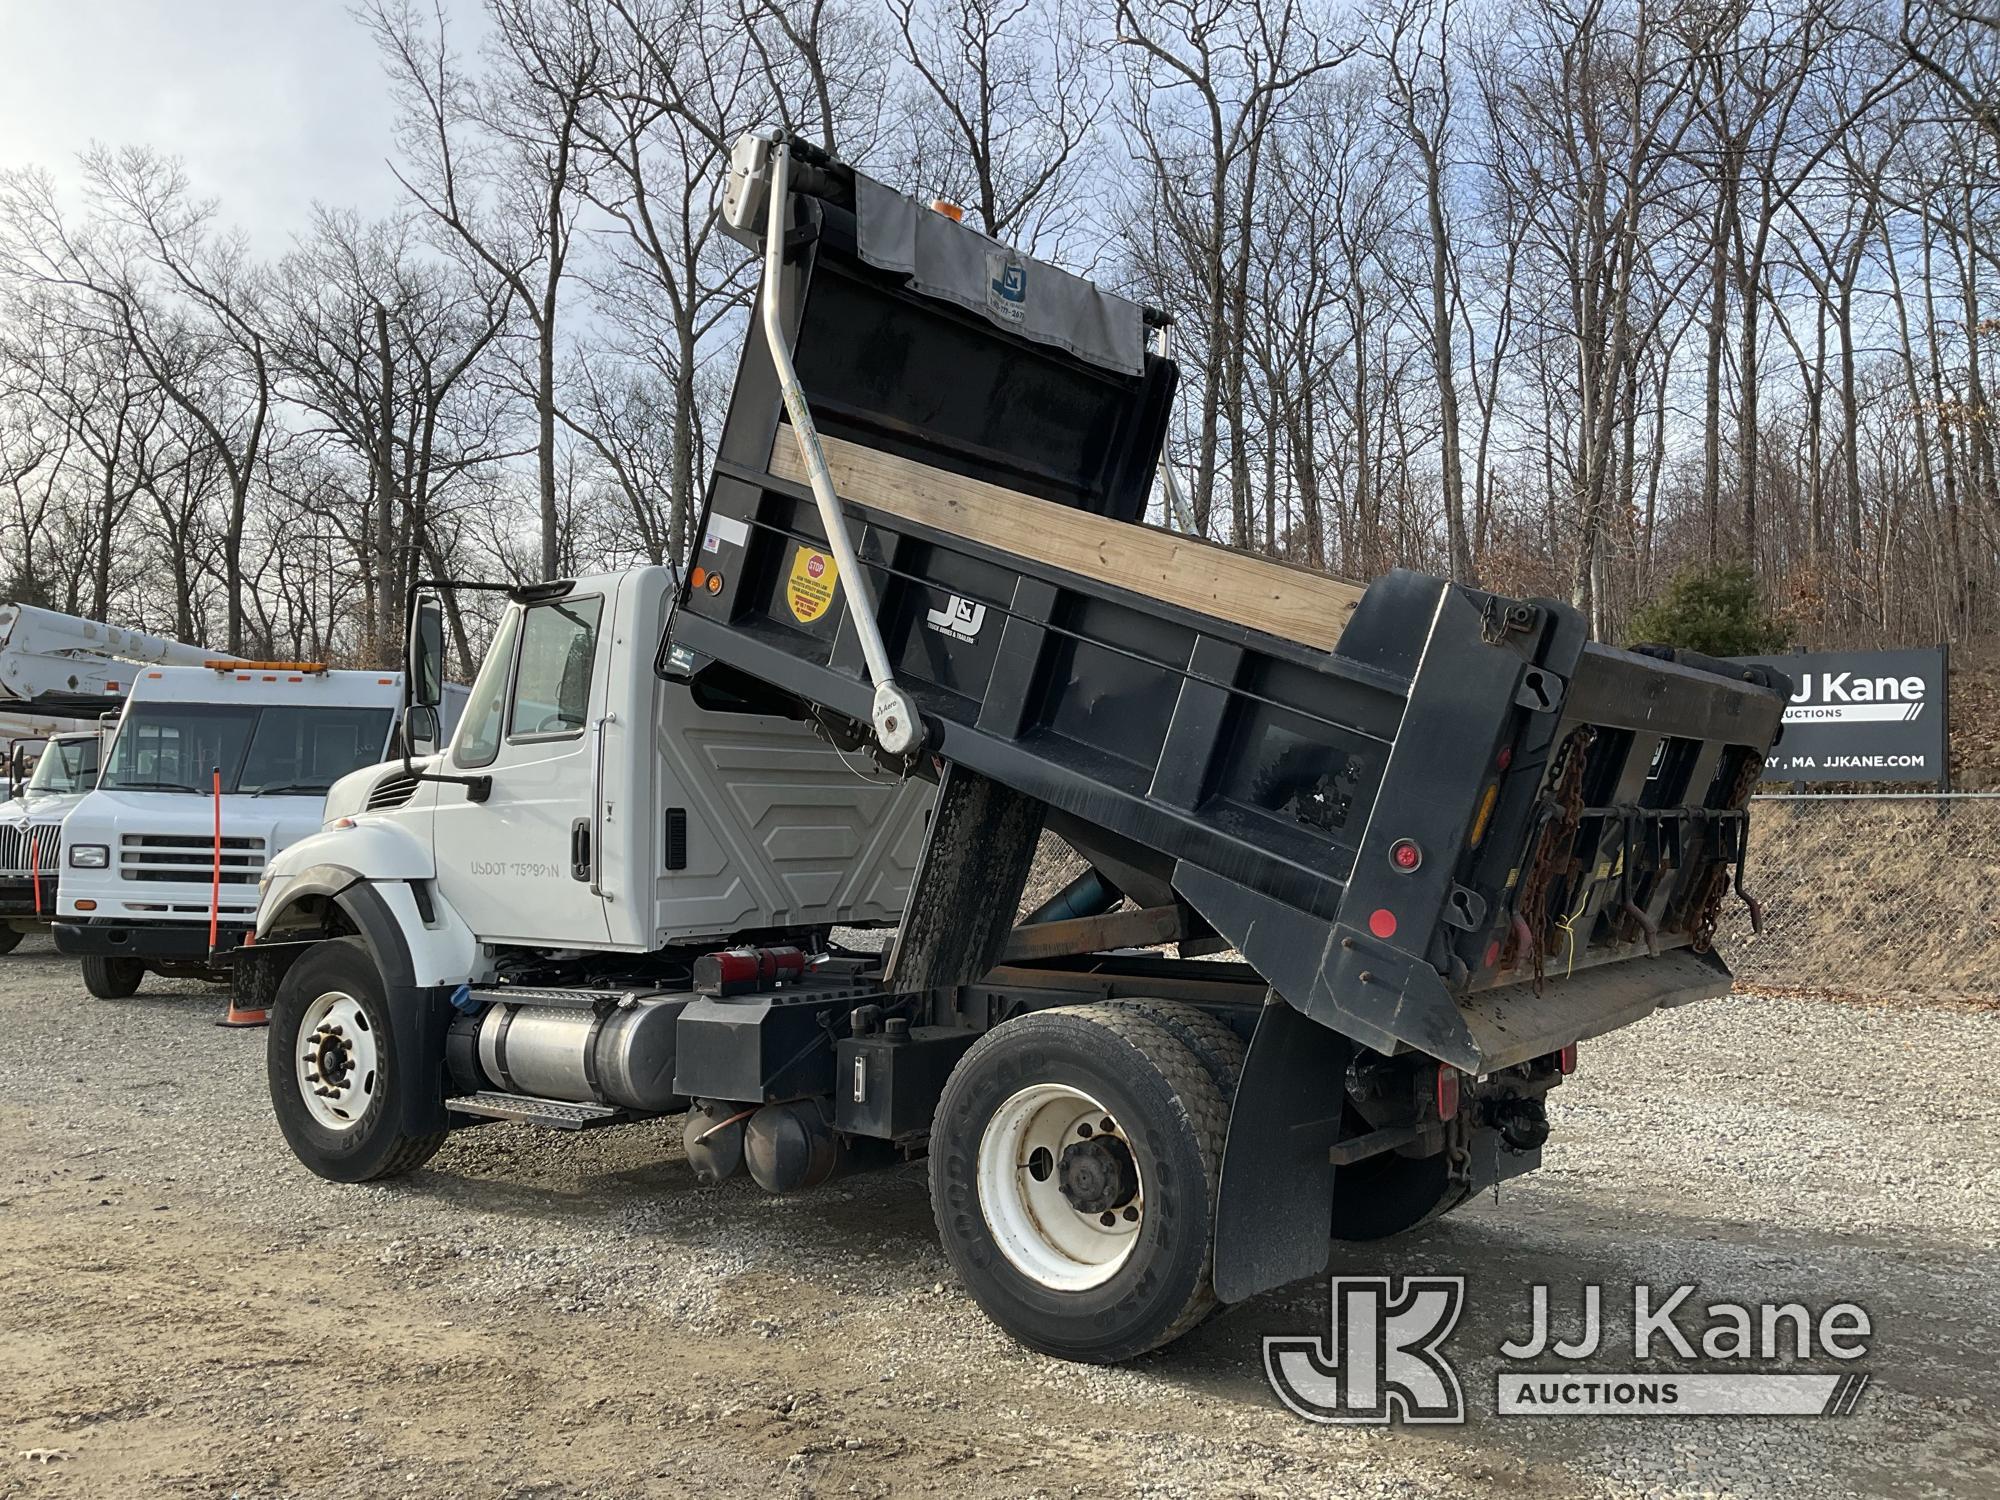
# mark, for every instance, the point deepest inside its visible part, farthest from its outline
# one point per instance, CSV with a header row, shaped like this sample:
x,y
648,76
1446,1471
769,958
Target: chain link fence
x,y
1871,895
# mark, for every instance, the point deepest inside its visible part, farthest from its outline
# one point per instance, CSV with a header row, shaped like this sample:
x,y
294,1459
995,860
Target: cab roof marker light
x,y
314,667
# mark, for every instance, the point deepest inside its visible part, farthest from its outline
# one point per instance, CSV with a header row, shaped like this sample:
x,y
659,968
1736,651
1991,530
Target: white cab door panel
x,y
524,865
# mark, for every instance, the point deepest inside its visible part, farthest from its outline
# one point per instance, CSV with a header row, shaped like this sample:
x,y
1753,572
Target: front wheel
x,y
112,978
335,1079
1074,1162
10,939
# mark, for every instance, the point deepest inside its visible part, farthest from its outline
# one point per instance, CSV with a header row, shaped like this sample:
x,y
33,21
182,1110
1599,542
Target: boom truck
x,y
1366,864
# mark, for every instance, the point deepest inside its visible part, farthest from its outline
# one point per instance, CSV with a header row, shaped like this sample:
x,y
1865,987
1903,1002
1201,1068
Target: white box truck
x,y
211,771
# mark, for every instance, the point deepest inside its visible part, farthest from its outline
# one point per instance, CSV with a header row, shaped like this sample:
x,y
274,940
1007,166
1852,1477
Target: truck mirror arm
x,y
477,788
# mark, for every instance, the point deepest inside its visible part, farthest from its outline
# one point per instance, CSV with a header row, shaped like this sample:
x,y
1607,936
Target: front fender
x,y
381,876
423,953
386,850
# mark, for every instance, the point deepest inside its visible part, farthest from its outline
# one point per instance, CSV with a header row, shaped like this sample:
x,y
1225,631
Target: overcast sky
x,y
271,103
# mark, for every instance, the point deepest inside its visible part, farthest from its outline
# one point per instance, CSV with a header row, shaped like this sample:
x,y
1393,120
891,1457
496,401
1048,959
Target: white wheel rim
x,y
336,1061
1040,1231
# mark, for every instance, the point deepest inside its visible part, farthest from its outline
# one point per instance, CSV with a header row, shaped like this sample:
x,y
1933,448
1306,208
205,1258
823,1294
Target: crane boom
x,y
60,663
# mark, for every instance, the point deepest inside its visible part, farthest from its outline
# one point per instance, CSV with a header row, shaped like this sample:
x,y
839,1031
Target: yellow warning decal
x,y
810,588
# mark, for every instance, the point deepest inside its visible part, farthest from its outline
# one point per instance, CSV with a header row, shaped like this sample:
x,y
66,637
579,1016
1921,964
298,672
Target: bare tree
x,y
1003,105
496,160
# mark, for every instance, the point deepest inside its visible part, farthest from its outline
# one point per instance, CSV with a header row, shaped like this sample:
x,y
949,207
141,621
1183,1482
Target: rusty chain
x,y
1716,882
1562,809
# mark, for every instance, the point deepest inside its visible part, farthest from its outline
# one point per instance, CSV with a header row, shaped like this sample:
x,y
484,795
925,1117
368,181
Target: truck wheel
x,y
112,978
1387,1194
1219,1050
10,939
331,1060
1074,1162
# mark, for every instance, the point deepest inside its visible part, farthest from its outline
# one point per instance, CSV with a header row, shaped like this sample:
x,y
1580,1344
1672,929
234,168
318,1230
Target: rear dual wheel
x,y
1074,1162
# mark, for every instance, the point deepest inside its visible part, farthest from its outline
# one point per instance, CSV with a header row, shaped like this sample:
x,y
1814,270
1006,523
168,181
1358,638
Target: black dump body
x,y
1465,830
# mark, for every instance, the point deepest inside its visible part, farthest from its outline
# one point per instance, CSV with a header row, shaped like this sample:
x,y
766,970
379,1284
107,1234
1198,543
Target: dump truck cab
x,y
588,805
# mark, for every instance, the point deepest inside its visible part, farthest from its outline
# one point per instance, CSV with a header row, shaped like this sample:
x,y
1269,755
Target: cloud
x,y
271,103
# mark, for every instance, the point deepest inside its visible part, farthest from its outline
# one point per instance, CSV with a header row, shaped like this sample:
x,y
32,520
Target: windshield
x,y
280,749
67,766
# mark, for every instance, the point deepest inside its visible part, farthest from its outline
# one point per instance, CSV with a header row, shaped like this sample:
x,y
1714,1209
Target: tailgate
x,y
1505,903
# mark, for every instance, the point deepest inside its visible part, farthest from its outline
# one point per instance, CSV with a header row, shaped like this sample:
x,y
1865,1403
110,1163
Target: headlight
x,y
88,856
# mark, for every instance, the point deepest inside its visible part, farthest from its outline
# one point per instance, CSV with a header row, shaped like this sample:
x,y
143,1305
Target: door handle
x,y
579,849
597,800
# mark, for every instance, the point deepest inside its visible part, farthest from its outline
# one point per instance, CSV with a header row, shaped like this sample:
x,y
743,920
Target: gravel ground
x,y
186,1311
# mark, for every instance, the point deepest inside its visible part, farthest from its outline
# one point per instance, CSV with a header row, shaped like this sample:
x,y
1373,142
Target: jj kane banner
x,y
1862,716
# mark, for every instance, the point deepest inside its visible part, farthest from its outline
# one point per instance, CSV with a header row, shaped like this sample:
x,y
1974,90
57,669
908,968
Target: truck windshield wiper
x,y
275,787
149,786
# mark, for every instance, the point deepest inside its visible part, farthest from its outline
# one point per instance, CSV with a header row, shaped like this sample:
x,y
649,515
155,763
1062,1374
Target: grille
x,y
391,791
21,849
167,856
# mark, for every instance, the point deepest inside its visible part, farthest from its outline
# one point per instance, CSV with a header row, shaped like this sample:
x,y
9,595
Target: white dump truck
x,y
1366,863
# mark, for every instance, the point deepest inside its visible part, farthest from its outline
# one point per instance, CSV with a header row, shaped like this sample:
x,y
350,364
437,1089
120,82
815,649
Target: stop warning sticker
x,y
809,590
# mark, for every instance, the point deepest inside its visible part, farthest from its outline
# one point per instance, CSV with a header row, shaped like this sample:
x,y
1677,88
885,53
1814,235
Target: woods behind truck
x,y
1445,836
145,867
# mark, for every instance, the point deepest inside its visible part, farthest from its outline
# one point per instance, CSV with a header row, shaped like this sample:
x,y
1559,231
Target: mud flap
x,y
1274,1208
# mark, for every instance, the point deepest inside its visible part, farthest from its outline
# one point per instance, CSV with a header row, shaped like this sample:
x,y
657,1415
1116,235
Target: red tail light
x,y
1447,1092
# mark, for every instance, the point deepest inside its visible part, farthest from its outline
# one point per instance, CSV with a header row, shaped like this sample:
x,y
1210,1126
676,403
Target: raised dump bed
x,y
1431,817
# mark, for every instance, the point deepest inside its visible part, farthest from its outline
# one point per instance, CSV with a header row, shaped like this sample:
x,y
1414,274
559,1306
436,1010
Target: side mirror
x,y
420,728
424,656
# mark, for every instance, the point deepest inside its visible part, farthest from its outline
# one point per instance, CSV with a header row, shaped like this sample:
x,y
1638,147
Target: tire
x,y
1388,1194
10,939
330,1029
111,978
1087,1283
1219,1049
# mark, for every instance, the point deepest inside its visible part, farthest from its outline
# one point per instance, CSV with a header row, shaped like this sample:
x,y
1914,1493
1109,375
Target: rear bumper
x,y
161,942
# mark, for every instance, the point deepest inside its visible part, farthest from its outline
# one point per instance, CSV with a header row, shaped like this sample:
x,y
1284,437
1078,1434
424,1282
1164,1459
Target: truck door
x,y
523,866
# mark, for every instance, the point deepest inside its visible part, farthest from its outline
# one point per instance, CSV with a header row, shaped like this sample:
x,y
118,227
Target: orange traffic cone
x,y
237,1015
243,975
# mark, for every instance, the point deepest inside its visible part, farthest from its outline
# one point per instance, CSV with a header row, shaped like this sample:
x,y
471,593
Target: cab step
x,y
554,1114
